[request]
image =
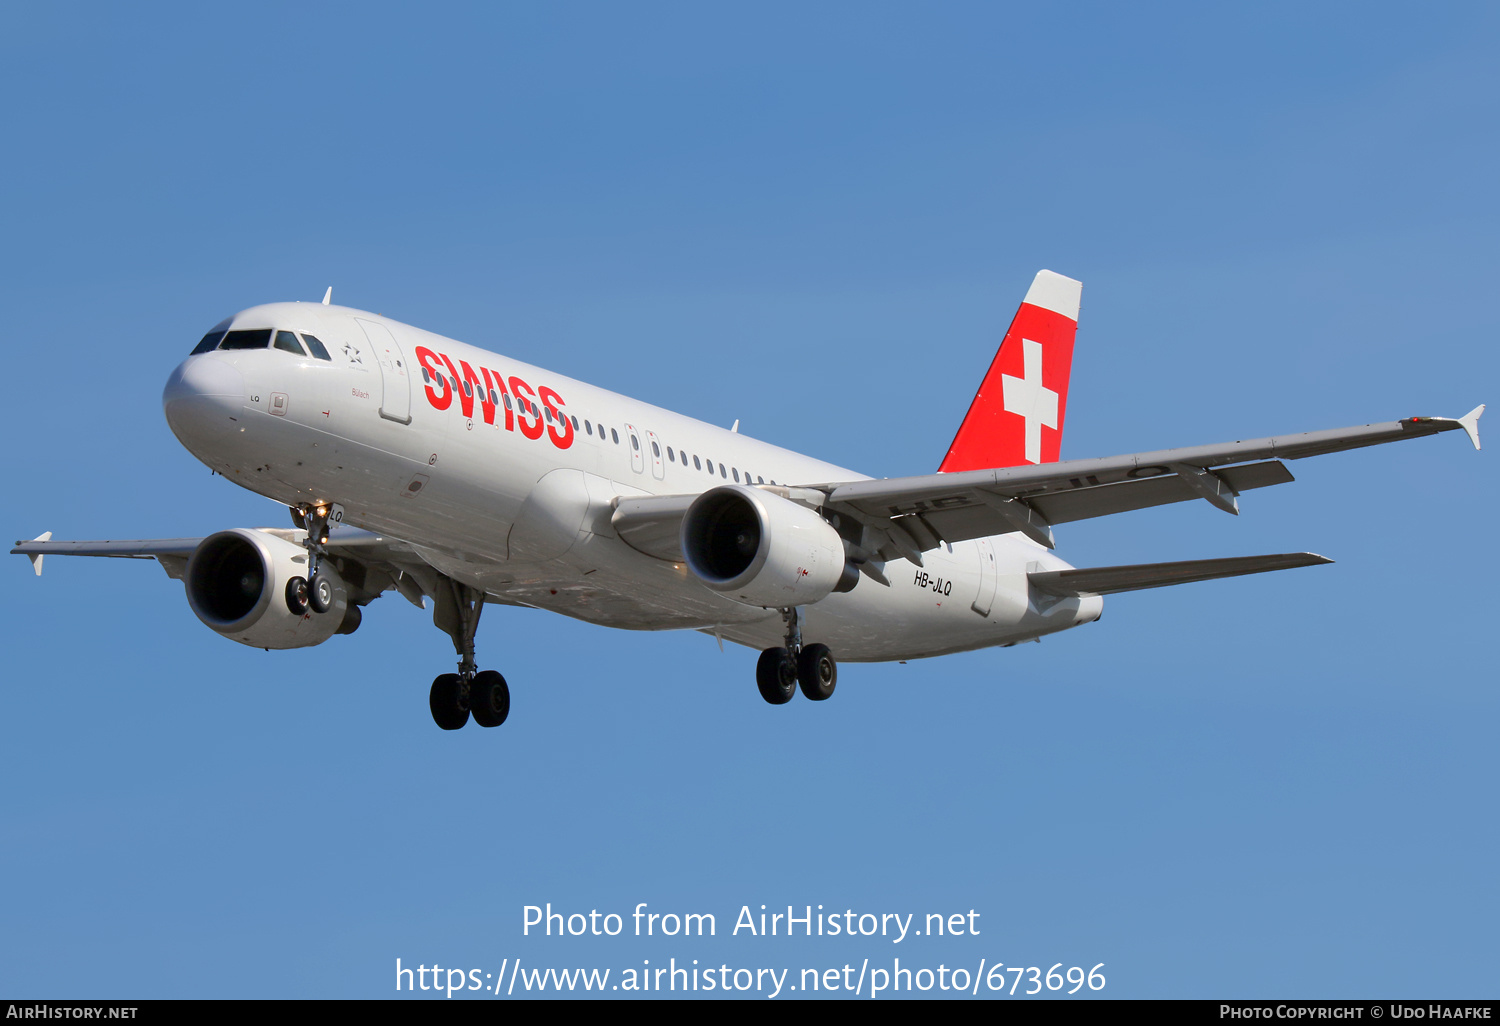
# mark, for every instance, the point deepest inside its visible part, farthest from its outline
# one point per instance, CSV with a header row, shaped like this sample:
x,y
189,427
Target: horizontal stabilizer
x,y
1106,580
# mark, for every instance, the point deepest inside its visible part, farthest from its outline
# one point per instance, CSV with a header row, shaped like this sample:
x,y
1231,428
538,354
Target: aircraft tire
x,y
817,672
320,594
776,676
489,698
296,596
448,711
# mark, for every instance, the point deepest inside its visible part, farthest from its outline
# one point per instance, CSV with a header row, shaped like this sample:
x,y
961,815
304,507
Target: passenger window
x,y
575,423
697,463
656,450
671,456
588,426
212,339
494,399
615,435
285,340
635,443
721,471
317,347
426,376
468,389
257,339
736,477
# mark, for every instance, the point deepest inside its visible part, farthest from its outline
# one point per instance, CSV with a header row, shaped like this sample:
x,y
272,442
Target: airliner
x,y
414,463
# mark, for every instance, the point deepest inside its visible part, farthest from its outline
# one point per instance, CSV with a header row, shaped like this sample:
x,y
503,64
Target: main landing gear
x,y
781,670
455,697
486,697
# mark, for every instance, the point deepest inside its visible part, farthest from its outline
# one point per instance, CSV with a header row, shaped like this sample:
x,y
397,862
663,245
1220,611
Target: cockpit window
x,y
287,341
316,347
211,340
259,338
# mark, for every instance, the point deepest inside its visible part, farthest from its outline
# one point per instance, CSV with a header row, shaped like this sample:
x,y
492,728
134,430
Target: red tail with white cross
x,y
1017,415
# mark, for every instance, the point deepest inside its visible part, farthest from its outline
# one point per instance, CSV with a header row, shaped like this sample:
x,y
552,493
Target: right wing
x,y
910,515
906,516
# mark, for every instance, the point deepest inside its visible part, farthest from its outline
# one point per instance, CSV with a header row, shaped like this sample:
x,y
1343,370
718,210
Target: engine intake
x,y
236,582
760,549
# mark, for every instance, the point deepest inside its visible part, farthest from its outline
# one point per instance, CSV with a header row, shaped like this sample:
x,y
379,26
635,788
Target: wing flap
x,y
1107,580
1087,503
980,520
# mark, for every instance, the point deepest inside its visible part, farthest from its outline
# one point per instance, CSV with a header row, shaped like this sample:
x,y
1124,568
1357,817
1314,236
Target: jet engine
x,y
241,584
763,550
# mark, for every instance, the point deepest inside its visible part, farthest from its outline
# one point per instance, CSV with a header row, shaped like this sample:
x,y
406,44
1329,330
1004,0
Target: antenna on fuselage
x,y
328,296
736,428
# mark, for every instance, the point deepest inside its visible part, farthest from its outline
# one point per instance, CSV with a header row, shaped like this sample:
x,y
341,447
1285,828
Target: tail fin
x,y
1017,415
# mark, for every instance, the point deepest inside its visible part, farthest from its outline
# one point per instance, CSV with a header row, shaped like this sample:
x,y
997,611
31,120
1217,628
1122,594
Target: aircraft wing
x,y
910,515
372,550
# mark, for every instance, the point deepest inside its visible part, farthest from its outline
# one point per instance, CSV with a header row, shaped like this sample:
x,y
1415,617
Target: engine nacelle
x,y
237,582
760,549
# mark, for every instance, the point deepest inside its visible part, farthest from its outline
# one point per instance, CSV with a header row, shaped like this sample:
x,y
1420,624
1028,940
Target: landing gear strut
x,y
781,670
455,696
314,591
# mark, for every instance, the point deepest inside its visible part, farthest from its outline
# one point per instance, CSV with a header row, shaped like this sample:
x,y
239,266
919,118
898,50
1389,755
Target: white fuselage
x,y
519,505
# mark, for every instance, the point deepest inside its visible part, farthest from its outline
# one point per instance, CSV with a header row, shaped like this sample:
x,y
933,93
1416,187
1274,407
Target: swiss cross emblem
x,y
1030,399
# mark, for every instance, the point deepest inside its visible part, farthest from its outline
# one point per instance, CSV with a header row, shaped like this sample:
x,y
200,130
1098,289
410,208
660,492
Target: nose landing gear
x,y
780,670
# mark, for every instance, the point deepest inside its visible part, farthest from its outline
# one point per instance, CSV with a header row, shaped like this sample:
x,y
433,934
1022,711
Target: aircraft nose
x,y
200,395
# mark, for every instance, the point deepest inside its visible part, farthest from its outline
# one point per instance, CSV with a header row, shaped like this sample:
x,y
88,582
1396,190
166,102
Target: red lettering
x,y
528,408
434,375
466,400
496,381
554,402
485,405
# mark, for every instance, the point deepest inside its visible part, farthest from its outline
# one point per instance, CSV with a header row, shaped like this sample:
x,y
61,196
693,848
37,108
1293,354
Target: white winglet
x,y
36,561
328,296
1470,423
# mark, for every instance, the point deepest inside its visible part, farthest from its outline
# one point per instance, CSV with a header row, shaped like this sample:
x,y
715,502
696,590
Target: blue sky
x,y
817,220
